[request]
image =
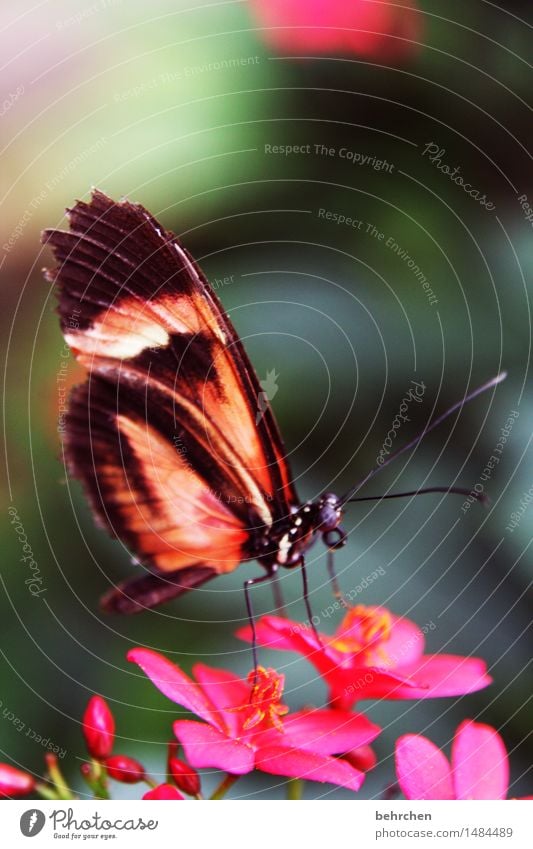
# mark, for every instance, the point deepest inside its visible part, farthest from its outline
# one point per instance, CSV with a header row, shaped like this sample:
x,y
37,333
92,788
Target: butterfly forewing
x,y
164,434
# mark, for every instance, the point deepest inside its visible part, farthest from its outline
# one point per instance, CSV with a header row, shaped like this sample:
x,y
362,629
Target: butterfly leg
x,y
337,592
250,610
307,603
279,603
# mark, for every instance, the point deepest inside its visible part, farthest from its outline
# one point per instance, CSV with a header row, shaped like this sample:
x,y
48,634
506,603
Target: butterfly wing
x,y
163,435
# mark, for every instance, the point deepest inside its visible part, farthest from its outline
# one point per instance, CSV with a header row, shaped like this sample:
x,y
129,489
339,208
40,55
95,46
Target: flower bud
x,y
363,758
125,769
185,777
98,728
163,791
14,782
86,771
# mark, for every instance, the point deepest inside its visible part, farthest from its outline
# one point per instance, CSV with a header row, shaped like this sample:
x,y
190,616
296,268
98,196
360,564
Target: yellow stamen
x,y
264,706
364,630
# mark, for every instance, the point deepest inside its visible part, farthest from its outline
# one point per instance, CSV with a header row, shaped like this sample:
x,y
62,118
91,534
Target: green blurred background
x,y
172,104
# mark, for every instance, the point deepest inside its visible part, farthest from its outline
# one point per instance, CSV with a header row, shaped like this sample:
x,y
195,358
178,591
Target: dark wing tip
x,y
151,590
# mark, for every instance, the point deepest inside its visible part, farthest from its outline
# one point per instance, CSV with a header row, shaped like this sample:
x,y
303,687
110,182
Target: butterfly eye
x,y
328,517
334,538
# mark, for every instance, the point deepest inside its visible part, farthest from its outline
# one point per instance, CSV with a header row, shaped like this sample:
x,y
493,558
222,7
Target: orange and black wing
x,y
163,434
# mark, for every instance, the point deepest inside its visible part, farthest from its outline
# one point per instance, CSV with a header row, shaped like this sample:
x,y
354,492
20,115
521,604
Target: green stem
x,y
224,786
45,791
295,787
56,777
100,781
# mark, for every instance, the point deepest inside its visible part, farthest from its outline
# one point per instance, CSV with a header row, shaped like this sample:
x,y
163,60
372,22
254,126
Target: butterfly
x,y
172,435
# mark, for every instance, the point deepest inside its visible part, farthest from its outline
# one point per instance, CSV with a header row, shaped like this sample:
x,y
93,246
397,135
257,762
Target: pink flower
x,y
248,727
98,726
163,791
364,27
479,767
374,655
14,782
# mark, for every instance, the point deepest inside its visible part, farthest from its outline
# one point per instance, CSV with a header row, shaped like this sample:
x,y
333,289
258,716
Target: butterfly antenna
x,y
414,442
449,490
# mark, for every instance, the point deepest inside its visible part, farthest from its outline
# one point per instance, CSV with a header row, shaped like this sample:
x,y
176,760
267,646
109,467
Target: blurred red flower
x,y
163,791
14,782
373,655
373,28
246,726
479,767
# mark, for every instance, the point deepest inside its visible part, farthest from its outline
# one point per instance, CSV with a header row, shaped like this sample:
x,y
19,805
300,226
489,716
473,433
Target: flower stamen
x,y
264,706
364,630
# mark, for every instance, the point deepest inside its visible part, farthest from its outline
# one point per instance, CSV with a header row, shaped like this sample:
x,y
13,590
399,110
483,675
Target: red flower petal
x,y
348,686
205,746
480,763
276,632
163,791
446,675
225,690
405,645
328,732
295,763
175,684
423,770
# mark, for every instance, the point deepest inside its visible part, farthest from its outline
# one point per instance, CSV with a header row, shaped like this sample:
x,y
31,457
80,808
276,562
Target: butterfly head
x,y
328,516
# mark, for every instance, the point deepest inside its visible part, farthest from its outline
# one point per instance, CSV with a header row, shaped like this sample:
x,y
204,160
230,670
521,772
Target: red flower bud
x,y
14,782
98,728
123,768
186,778
363,758
163,791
